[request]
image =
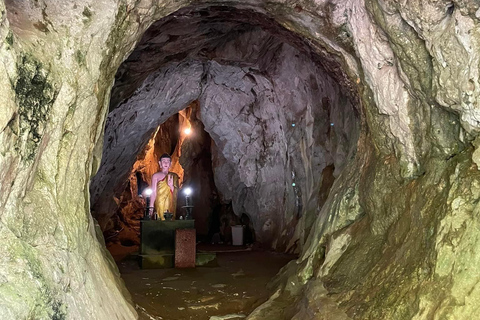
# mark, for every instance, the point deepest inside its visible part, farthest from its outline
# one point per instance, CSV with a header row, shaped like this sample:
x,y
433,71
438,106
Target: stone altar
x,y
157,242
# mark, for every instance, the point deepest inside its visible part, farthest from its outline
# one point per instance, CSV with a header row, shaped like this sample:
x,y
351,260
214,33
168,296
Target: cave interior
x,y
261,106
342,134
270,125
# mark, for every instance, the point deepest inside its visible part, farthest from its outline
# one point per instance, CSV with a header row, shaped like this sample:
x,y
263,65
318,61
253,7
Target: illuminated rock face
x,y
385,206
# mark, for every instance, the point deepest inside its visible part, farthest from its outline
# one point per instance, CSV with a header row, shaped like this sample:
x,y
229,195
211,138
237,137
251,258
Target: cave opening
x,y
273,125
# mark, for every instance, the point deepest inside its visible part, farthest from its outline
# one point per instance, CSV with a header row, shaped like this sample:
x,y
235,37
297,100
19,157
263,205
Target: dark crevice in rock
x,y
450,8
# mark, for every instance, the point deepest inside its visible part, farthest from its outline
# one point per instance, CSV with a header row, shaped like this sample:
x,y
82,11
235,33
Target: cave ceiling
x,y
200,33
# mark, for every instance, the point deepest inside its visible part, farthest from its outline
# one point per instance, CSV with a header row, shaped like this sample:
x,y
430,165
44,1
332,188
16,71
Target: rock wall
x,y
53,264
400,217
411,197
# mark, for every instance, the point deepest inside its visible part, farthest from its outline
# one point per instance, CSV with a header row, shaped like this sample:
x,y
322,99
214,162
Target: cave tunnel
x,y
342,134
262,108
271,128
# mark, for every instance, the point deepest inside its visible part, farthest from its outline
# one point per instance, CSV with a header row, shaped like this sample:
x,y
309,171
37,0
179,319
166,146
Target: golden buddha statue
x,y
164,188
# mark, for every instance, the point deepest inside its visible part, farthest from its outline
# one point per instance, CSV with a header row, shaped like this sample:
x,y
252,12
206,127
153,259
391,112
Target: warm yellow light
x,y
187,131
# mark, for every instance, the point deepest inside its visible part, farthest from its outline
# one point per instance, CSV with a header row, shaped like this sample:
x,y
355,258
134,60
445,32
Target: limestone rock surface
x,y
394,236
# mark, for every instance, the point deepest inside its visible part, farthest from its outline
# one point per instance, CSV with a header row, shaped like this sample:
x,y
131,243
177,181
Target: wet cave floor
x,y
235,287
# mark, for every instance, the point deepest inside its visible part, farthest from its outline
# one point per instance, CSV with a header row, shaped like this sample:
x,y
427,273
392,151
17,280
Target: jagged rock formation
x,y
394,237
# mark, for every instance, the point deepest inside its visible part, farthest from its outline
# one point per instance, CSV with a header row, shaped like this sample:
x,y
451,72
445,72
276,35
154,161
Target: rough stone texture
x,y
185,242
53,264
395,238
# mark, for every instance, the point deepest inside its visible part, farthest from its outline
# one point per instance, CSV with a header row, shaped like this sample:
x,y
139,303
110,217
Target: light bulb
x,y
148,191
187,131
187,191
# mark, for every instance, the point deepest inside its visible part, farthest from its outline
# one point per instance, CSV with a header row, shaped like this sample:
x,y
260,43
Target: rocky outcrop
x,y
53,264
398,80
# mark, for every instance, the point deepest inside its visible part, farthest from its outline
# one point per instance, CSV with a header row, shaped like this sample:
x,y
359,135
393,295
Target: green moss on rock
x,y
9,38
87,13
35,95
80,58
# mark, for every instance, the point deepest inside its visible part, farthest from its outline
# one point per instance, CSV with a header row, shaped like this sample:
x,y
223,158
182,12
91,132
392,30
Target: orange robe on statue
x,y
165,198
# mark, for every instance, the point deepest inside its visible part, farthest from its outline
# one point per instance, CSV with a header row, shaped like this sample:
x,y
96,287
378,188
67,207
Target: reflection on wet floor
x,y
231,290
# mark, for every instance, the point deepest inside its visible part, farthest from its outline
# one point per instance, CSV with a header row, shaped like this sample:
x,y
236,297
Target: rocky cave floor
x,y
231,290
